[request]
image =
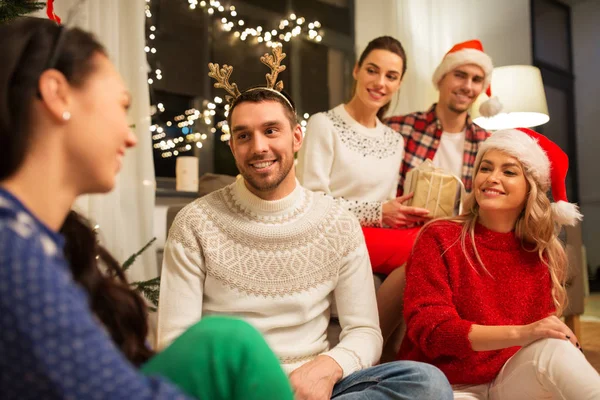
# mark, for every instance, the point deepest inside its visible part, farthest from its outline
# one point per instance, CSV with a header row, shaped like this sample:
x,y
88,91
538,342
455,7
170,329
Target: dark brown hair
x,y
383,43
121,310
27,45
256,95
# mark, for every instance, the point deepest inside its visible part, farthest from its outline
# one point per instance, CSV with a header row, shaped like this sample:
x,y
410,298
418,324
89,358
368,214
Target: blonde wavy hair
x,y
535,226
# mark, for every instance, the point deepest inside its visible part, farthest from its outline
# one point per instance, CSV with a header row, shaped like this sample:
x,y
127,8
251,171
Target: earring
x,y
66,115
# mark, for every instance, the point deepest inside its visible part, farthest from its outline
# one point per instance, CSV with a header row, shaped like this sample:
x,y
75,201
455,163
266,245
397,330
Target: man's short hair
x,y
258,95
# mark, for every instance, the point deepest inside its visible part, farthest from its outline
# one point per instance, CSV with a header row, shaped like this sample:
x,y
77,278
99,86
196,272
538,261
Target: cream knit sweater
x,y
349,161
278,265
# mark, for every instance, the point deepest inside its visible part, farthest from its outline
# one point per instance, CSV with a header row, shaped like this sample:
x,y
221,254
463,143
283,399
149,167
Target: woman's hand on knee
x,y
548,328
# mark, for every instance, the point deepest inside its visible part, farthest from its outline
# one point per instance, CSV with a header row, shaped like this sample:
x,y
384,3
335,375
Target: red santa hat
x,y
470,52
544,160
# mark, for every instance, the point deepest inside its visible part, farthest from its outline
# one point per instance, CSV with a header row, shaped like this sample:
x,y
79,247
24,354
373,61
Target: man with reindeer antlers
x,y
277,255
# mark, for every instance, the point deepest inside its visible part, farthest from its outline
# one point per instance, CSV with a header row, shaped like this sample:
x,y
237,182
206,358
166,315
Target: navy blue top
x,y
51,345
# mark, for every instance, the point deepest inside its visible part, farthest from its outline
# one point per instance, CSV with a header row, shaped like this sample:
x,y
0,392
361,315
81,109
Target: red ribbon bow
x,y
50,12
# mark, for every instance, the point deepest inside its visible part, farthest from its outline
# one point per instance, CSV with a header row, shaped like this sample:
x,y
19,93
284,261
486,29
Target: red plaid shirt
x,y
422,132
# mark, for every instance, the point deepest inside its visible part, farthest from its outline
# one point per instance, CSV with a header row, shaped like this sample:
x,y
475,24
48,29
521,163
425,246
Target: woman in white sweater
x,y
349,154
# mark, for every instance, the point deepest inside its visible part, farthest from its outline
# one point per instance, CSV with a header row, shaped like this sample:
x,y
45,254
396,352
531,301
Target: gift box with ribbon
x,y
434,189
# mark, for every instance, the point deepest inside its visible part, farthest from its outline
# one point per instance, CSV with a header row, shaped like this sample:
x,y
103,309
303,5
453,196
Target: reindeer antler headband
x,y
221,75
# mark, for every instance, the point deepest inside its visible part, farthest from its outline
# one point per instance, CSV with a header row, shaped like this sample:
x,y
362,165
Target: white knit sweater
x,y
347,160
278,265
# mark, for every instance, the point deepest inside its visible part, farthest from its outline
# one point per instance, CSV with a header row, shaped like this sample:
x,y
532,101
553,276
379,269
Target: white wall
x,y
429,28
586,56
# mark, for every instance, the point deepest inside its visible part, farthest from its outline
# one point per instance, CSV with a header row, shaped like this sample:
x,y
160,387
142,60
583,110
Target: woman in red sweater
x,y
485,289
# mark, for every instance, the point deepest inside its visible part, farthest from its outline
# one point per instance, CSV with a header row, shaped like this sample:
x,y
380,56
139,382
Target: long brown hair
x,y
382,43
121,310
27,45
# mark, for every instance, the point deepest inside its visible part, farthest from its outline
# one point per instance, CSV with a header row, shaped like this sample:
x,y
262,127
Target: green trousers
x,y
222,358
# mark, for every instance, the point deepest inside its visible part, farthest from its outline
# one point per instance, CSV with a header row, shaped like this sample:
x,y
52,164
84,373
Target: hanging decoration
x,y
50,12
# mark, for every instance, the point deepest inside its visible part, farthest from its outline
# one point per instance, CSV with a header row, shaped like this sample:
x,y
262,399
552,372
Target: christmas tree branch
x,y
11,9
150,288
127,264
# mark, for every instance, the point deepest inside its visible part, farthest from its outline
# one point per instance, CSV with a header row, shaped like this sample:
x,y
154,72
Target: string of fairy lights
x,y
195,125
289,27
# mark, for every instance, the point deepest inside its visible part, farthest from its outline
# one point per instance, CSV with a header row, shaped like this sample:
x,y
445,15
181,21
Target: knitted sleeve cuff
x,y
347,359
450,338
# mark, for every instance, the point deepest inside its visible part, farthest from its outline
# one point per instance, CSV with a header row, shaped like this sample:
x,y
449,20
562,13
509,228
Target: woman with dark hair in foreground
x,y
70,330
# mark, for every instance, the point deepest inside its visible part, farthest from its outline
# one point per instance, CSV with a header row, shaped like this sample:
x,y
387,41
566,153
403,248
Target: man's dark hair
x,y
259,95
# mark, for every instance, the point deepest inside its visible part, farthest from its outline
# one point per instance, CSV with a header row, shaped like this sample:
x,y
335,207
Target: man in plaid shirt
x,y
445,133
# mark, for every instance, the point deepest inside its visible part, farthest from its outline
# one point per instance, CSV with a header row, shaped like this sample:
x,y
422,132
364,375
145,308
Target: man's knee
x,y
420,380
434,384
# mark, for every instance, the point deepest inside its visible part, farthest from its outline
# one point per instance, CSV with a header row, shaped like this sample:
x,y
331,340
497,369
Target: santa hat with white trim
x,y
470,52
543,159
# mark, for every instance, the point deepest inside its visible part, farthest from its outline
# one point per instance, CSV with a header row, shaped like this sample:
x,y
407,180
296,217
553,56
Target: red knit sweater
x,y
445,295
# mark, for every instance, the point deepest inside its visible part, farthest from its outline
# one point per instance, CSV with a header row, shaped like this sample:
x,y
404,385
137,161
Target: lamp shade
x,y
521,91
